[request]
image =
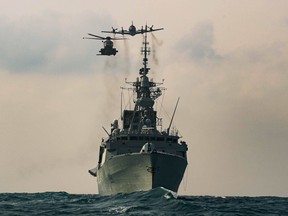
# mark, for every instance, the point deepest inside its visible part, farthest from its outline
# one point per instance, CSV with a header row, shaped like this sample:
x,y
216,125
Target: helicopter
x,y
132,30
107,42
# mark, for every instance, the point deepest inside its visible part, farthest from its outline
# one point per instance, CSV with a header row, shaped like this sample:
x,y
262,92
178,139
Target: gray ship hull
x,y
140,172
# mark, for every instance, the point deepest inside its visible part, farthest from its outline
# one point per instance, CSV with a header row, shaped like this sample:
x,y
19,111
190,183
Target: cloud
x,y
232,113
49,43
198,44
28,44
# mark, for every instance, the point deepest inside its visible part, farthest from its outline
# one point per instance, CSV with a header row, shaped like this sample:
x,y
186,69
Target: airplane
x,y
133,31
107,42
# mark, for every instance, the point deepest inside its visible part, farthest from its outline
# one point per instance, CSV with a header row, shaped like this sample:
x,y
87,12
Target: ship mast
x,y
143,85
146,93
144,71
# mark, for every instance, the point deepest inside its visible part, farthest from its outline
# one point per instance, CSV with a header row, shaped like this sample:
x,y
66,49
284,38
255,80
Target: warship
x,y
139,155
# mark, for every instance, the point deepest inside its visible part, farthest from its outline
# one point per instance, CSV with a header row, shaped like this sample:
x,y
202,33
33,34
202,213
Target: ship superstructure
x,y
138,156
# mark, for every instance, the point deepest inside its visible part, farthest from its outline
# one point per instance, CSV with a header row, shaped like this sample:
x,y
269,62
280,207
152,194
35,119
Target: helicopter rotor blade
x,y
102,38
92,38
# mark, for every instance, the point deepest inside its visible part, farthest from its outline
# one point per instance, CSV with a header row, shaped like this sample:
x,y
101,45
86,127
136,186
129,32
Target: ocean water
x,y
155,202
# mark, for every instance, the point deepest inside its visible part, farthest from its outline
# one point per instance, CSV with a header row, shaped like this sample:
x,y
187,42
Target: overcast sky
x,y
227,60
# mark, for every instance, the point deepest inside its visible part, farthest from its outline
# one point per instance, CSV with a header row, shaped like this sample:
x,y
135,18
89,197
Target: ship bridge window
x,y
153,138
141,137
124,138
160,138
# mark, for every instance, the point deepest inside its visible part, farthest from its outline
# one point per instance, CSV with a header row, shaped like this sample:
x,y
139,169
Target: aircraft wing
x,y
110,32
151,30
117,32
140,31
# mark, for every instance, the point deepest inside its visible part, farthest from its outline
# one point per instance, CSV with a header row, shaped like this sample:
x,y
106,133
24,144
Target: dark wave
x,y
155,202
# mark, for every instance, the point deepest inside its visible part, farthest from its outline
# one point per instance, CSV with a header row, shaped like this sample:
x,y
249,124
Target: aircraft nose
x,y
132,28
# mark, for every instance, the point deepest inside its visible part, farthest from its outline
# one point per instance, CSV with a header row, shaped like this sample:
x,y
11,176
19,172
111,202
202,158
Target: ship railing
x,y
172,132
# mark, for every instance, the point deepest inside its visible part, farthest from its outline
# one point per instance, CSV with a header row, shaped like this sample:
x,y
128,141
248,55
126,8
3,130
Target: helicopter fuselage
x,y
108,50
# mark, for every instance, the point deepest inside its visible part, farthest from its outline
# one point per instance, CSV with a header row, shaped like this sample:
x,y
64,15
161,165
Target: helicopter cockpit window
x,y
108,43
